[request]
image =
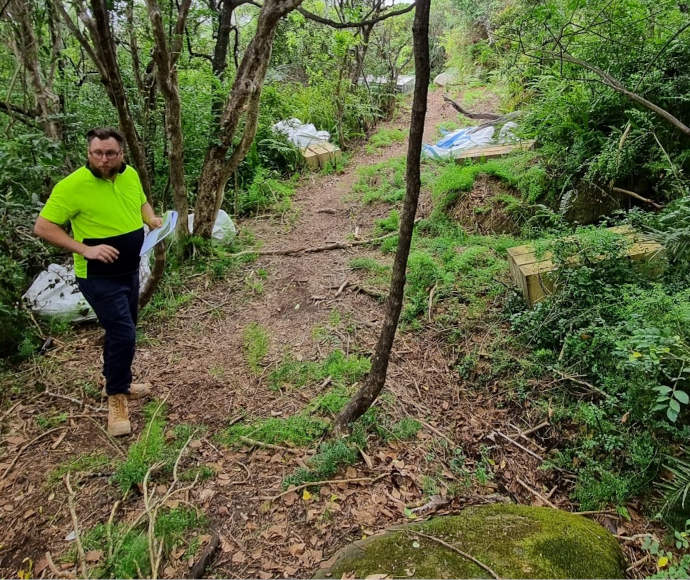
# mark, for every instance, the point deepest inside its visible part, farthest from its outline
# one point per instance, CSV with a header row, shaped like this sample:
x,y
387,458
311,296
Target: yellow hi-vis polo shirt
x,y
101,211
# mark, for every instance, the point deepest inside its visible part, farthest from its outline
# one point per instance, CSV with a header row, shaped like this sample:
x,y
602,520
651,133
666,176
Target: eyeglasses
x,y
107,154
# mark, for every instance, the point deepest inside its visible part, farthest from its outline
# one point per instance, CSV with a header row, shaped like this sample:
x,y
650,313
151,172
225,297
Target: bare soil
x,y
196,361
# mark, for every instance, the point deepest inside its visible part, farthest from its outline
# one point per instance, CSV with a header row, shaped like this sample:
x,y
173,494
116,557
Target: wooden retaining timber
x,y
495,150
318,155
534,276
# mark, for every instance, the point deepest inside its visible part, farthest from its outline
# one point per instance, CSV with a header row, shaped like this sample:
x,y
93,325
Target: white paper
x,y
155,236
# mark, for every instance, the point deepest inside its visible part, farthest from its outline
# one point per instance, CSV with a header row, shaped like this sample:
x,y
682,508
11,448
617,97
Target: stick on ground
x,y
463,554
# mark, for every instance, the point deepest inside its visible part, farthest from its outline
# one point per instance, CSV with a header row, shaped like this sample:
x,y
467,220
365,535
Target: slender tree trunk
x,y
166,57
243,98
26,51
109,68
379,367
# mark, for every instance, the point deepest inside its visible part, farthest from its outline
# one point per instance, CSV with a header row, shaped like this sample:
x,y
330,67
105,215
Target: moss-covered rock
x,y
512,540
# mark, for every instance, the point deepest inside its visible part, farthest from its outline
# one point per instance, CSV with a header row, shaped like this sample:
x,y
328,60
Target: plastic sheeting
x,y
224,229
468,138
55,294
300,134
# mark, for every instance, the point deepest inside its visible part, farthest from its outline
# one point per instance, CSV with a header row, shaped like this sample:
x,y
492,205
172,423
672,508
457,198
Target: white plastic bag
x,y
299,134
55,294
224,229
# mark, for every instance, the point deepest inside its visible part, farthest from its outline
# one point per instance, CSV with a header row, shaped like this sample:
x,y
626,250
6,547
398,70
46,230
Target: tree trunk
x,y
165,57
109,68
26,51
379,367
244,97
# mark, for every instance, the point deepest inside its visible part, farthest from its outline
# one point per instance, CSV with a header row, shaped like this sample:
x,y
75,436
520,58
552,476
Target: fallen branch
x,y
520,446
29,444
53,568
75,524
108,437
535,493
581,382
76,401
636,196
326,248
325,482
459,109
463,554
199,566
437,432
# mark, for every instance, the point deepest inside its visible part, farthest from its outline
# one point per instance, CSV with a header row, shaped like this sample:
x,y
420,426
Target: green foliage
x,y
298,430
382,182
256,343
406,428
668,564
332,455
84,463
459,268
385,138
629,336
130,546
151,448
266,191
522,171
589,131
341,368
48,422
388,224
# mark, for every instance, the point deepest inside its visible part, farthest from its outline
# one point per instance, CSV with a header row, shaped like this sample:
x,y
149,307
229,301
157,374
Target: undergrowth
x,y
340,368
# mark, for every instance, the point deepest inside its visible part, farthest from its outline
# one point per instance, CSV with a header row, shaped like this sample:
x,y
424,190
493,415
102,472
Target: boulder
x,y
512,540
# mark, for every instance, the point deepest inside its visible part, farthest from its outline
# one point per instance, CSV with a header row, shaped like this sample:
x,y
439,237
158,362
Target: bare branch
x,y
616,85
361,24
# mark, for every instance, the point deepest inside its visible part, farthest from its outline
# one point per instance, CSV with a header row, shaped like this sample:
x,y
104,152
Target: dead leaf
x,y
239,558
93,555
348,576
290,498
195,444
377,577
206,494
225,545
289,572
297,549
40,565
264,575
169,572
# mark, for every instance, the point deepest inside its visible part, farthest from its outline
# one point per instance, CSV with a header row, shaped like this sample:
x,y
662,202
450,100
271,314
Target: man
x,y
106,207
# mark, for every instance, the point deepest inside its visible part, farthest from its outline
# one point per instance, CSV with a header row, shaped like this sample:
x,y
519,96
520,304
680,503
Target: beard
x,y
108,173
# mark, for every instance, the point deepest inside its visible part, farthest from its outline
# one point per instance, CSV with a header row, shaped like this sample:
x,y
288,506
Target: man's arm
x,y
54,234
149,216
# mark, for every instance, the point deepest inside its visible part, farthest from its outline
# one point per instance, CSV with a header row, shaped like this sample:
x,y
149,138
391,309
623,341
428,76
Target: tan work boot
x,y
139,391
136,391
118,416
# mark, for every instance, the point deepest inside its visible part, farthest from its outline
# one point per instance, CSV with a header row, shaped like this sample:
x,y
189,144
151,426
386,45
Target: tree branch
x,y
363,23
617,86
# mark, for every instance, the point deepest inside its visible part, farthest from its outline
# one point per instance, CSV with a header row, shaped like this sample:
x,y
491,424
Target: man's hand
x,y
102,252
154,222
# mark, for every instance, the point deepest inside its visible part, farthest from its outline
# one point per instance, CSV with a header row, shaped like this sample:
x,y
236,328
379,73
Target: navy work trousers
x,y
115,302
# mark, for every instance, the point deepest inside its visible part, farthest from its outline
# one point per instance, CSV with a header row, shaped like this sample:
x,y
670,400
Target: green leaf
x,y
675,405
672,415
682,396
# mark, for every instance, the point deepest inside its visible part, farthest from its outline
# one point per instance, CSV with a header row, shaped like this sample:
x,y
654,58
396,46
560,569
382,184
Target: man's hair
x,y
105,133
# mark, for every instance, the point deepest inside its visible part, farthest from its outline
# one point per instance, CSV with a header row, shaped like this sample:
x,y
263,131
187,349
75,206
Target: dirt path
x,y
197,361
